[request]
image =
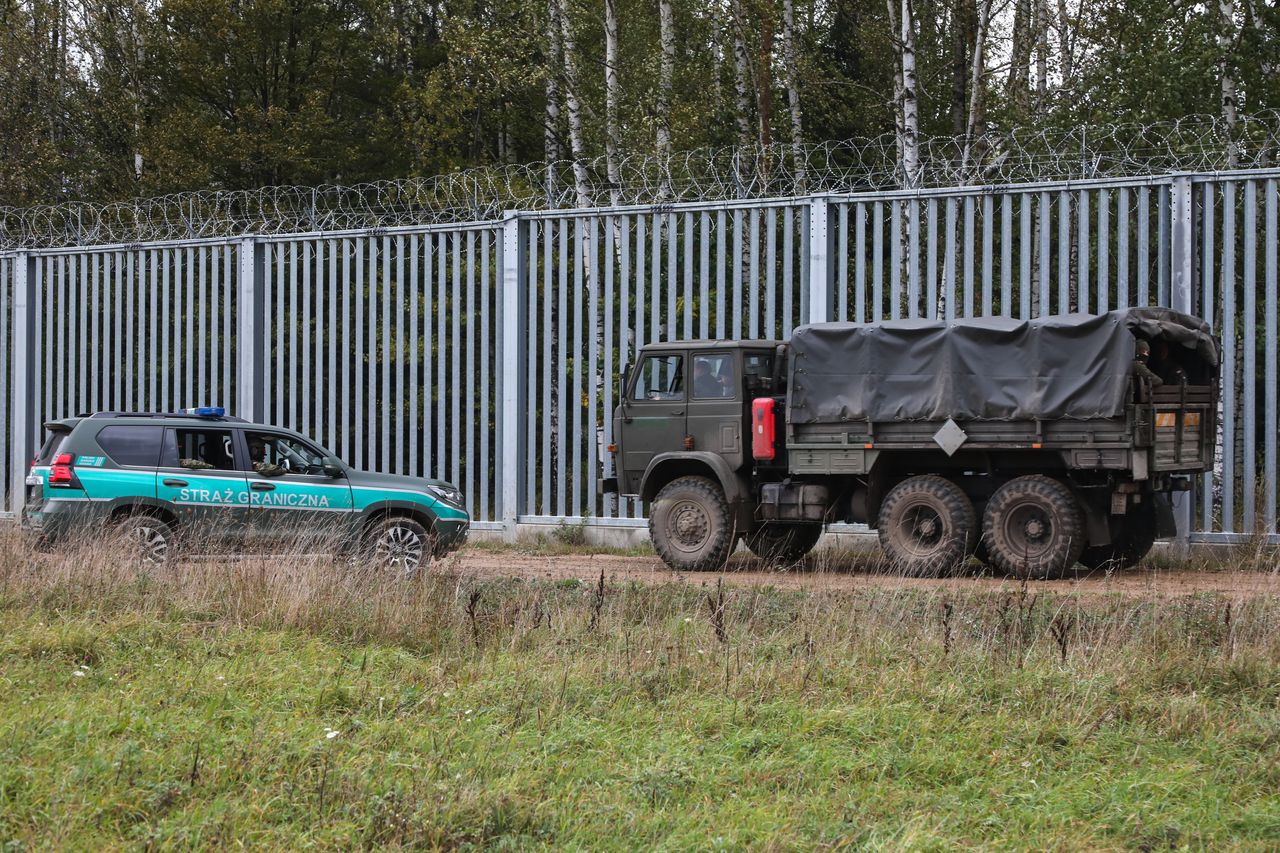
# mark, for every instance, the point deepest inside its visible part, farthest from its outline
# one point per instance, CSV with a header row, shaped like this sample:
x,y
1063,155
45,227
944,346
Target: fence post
x,y
1182,276
25,363
250,332
821,269
511,388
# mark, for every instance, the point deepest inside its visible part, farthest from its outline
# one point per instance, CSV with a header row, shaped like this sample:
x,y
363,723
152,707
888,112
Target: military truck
x,y
1038,446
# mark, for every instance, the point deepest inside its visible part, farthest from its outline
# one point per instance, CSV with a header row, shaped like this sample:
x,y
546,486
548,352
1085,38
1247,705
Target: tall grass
x,y
689,714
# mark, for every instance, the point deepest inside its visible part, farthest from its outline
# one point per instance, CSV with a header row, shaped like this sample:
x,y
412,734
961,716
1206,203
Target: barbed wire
x,y
1196,143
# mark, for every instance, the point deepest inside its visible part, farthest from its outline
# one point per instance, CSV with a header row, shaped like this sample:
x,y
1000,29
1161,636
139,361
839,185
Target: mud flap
x,y
1166,528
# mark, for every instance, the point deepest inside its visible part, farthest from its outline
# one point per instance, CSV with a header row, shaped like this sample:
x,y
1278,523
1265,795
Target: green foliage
x,y
120,98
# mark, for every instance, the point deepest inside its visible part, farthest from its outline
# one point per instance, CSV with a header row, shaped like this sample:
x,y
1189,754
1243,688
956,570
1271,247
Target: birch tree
x,y
611,134
910,104
1227,74
573,106
791,77
977,86
551,133
667,44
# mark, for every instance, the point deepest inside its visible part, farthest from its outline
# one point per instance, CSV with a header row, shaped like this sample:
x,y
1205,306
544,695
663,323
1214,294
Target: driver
x,y
258,458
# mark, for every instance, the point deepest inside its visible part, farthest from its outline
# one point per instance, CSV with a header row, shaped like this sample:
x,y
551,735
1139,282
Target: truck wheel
x,y
691,526
1033,527
783,544
927,526
145,538
1131,540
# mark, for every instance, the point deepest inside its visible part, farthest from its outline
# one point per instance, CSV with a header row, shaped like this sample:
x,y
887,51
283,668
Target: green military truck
x,y
1035,446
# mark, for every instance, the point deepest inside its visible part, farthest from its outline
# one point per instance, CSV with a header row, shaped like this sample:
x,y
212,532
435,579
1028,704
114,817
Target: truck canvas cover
x,y
986,368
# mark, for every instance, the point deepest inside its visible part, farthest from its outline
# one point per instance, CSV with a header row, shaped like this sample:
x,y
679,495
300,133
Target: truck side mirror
x,y
623,381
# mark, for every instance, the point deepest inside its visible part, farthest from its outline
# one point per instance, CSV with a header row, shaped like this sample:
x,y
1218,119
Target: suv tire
x,y
691,526
146,538
783,544
1034,528
398,544
927,526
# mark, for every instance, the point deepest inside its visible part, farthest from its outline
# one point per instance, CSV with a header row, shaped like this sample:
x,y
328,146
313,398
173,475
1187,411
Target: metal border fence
x,y
487,352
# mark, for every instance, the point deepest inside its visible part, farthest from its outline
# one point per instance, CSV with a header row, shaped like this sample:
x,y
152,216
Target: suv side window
x,y
128,444
272,454
661,377
198,449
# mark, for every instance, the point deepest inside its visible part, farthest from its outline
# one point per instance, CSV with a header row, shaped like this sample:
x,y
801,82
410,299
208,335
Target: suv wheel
x,y
691,526
145,538
400,545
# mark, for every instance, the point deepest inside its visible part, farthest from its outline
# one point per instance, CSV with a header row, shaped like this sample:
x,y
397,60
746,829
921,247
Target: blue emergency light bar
x,y
205,411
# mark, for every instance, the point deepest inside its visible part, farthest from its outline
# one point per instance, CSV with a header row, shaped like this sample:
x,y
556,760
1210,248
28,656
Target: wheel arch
x,y
125,507
377,512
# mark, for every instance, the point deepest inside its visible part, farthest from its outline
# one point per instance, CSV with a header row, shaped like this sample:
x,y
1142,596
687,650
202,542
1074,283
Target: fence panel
x,y
383,347
386,345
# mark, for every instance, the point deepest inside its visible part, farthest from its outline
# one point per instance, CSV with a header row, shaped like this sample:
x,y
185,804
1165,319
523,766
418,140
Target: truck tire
x,y
783,544
1131,540
927,526
1033,527
691,526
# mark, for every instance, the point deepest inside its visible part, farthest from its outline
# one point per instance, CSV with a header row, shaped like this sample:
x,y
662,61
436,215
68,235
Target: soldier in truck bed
x,y
1140,369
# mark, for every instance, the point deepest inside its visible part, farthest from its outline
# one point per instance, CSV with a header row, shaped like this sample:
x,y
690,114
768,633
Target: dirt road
x,y
854,572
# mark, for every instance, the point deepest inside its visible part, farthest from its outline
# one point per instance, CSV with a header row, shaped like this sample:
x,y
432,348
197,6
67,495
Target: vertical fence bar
x,y
704,279
574,463
1122,249
1248,491
931,278
753,273
820,270
877,263
25,377
512,389
968,255
988,237
1046,214
1025,251
949,263
1064,252
913,260
1270,378
688,275
896,284
1082,252
1104,252
859,264
842,265
1182,267
1006,255
249,337
1207,302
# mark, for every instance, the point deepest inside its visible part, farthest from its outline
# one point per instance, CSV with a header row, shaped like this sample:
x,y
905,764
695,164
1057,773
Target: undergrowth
x,y
293,701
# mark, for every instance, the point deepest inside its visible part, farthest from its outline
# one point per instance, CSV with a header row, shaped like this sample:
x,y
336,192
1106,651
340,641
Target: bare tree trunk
x,y
573,107
1065,43
910,106
667,41
1042,52
764,84
1020,58
742,105
1227,71
895,33
793,92
551,134
977,73
959,64
611,141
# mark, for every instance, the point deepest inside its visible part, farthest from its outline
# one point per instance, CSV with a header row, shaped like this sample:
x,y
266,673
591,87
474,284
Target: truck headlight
x,y
446,493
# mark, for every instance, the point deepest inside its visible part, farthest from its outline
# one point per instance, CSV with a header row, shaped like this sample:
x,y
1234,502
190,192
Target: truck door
x,y
715,405
654,413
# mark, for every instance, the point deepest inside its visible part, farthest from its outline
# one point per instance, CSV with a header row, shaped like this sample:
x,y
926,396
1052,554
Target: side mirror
x,y
624,379
333,467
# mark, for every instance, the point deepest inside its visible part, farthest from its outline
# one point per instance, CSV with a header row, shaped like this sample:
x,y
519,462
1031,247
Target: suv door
x,y
653,413
200,477
715,404
295,503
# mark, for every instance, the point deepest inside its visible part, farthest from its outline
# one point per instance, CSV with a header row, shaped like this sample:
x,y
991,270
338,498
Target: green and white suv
x,y
200,477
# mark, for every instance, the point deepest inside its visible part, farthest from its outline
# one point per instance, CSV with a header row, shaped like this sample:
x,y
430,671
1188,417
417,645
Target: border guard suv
x,y
199,476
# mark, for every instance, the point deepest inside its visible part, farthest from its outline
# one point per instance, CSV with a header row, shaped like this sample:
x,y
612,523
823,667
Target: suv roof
x,y
168,416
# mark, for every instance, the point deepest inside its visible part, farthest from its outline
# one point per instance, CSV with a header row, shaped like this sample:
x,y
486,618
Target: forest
x,y
114,99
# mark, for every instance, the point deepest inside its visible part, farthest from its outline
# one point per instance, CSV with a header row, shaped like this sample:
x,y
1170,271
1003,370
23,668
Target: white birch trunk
x,y
667,41
611,140
1226,70
910,106
977,72
1042,52
793,93
1064,43
551,136
742,104
573,107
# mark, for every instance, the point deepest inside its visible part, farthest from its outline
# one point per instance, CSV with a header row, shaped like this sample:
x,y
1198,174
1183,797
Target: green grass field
x,y
291,704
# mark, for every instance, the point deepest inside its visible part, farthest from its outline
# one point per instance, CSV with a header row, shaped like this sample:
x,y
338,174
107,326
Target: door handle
x,y
677,411
262,487
175,483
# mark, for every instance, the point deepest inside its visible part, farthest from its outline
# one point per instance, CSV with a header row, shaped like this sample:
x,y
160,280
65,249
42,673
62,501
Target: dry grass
x,y
527,714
